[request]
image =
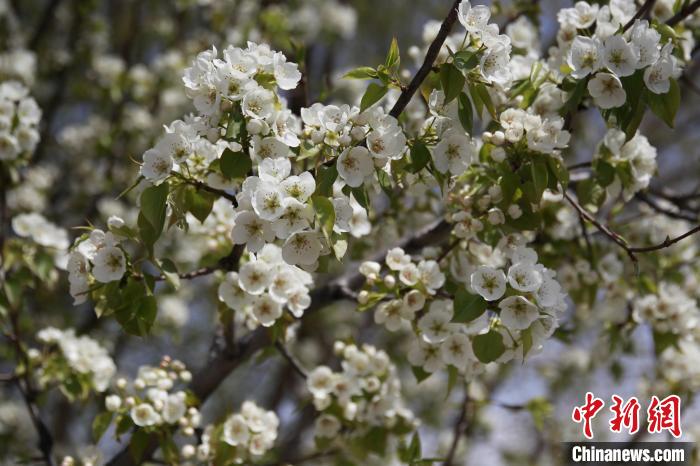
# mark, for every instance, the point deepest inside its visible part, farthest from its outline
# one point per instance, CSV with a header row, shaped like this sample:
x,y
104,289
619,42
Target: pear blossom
x,y
302,248
354,165
606,90
584,56
517,312
490,283
619,56
454,152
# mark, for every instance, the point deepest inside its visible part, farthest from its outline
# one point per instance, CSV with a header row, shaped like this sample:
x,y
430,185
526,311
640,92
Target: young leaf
x,y
393,57
363,72
452,81
325,213
372,95
100,425
488,347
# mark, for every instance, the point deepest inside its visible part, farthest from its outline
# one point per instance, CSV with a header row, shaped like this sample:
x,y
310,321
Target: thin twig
x,y
290,359
458,430
615,237
427,66
662,210
583,213
646,7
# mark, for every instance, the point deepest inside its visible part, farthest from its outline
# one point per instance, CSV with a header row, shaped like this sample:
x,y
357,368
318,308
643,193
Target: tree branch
x,y
290,359
616,238
684,13
458,429
217,369
427,66
643,10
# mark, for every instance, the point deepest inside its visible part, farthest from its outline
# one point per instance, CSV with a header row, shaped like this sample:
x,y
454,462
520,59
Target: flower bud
x,y
113,403
498,154
389,281
363,297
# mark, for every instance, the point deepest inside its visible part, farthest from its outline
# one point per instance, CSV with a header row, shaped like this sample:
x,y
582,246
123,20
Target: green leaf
x,y
137,445
411,452
153,205
136,310
575,98
466,60
325,177
452,81
666,105
558,170
420,156
360,195
372,95
605,173
124,423
488,347
468,306
510,182
663,340
100,425
325,214
384,182
393,57
376,440
485,97
452,377
420,374
199,203
539,173
526,338
465,113
235,165
540,409
363,72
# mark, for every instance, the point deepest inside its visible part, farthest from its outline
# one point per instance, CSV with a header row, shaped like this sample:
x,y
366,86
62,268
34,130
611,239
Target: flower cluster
x,y
78,363
241,438
545,135
340,129
152,401
264,286
97,256
528,301
634,161
526,294
494,61
366,393
679,365
185,148
608,56
670,310
19,119
41,231
239,76
411,282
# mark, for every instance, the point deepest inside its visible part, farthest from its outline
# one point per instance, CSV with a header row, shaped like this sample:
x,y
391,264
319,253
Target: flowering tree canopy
x,y
217,249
